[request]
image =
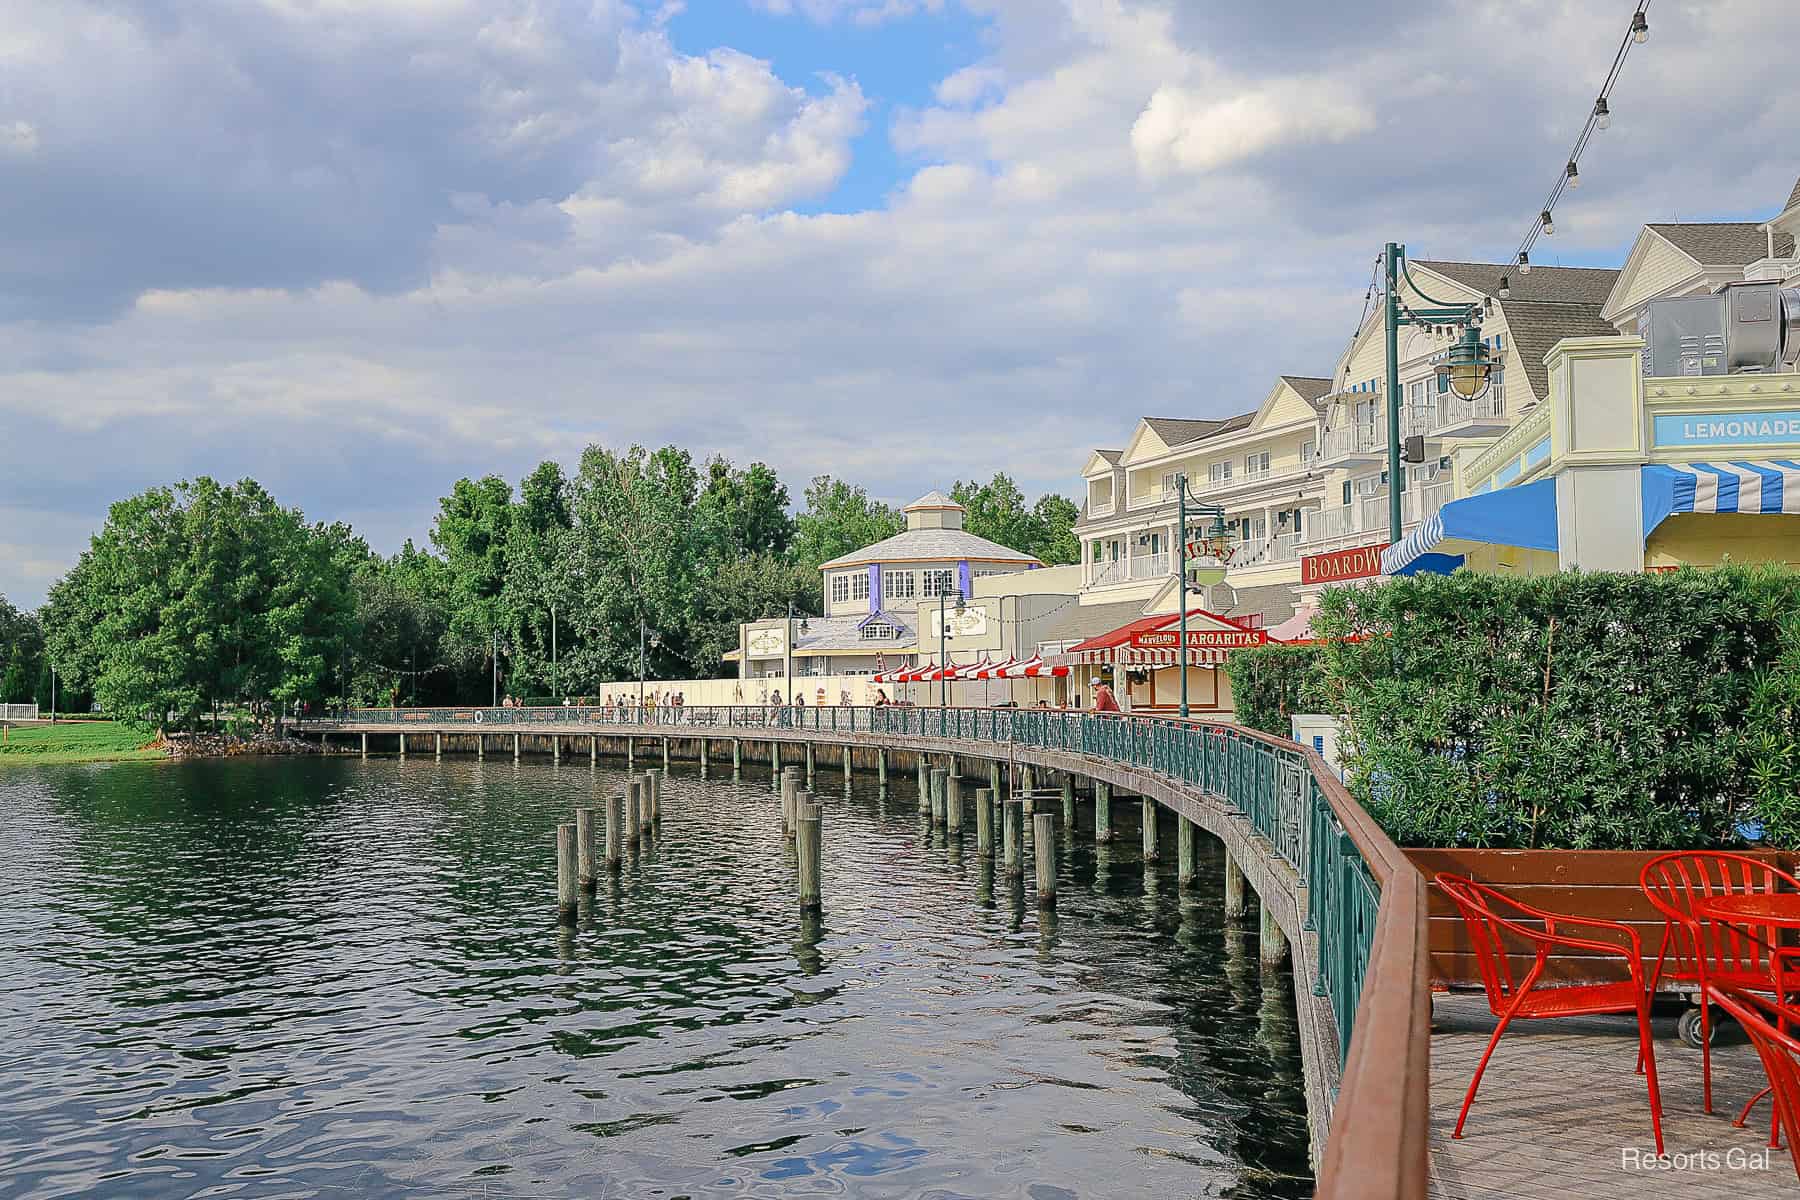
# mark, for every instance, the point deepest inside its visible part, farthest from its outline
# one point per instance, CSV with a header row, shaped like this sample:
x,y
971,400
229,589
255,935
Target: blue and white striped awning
x,y
1723,487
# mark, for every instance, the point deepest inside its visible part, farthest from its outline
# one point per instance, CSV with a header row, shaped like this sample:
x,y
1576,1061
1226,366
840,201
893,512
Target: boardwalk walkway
x,y
1560,1104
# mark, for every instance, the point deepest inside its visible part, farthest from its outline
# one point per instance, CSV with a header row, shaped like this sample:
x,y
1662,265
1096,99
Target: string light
x,y
1598,119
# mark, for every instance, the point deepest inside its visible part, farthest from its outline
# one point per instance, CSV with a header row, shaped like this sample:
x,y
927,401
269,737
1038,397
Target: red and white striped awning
x,y
1035,667
1138,656
995,670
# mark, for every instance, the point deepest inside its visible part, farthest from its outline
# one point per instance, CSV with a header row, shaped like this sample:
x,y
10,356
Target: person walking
x,y
1104,701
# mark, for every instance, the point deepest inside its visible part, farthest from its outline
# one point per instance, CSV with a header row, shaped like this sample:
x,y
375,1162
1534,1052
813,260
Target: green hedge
x,y
1270,683
1573,711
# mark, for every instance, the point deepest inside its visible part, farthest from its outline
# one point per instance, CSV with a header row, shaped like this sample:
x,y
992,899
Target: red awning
x,y
1156,642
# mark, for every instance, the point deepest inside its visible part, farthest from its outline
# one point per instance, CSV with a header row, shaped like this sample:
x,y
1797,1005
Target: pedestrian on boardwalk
x,y
1104,700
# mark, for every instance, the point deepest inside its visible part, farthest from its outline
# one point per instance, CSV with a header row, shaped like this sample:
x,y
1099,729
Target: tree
x,y
840,518
21,654
996,510
474,523
745,513
532,588
203,593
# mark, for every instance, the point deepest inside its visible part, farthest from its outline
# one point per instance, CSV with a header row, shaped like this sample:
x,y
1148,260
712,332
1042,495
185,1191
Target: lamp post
x,y
1466,367
944,645
1209,571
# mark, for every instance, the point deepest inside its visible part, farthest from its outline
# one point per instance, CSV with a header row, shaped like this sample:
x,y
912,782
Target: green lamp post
x,y
1466,368
1207,571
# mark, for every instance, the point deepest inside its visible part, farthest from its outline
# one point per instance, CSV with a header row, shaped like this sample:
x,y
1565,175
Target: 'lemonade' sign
x,y
1726,429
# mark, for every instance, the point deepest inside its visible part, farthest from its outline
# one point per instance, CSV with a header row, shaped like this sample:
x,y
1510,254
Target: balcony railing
x,y
1452,410
1353,439
1421,504
1150,566
1115,571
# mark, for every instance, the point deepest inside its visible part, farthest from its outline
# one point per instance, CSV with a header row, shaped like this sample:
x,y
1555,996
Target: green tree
x,y
839,518
203,593
745,512
474,524
21,654
533,585
996,510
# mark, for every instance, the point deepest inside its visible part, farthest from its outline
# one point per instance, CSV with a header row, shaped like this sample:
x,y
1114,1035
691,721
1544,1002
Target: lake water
x,y
338,978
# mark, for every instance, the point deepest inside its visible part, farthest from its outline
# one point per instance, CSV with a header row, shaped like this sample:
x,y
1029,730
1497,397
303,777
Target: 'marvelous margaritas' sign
x,y
1201,639
1726,429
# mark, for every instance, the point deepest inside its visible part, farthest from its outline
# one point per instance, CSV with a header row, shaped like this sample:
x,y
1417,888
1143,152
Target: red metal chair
x,y
1764,1019
1711,955
1490,916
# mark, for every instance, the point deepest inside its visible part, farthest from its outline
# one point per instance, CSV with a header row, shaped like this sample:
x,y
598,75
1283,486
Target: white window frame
x,y
1309,450
1256,461
1219,472
899,585
940,582
840,588
859,586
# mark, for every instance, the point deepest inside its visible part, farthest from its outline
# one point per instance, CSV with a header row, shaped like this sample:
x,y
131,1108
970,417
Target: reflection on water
x,y
344,978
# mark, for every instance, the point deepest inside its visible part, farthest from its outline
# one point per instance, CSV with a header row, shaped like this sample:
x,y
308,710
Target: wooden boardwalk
x,y
1560,1104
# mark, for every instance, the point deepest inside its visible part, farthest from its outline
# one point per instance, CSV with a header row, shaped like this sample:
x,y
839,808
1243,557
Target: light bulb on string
x,y
1602,114
1640,27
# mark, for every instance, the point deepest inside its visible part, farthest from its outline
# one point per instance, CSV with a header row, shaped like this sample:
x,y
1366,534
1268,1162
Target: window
x,y
840,588
1365,412
940,583
1346,491
879,631
899,585
859,586
1498,393
1308,452
1169,483
1219,472
1255,464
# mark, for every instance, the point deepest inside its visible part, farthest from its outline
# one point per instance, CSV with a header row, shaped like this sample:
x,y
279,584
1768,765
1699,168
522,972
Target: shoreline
x,y
77,743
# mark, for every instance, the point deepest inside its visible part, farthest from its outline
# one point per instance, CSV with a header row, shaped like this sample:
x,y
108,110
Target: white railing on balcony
x,y
1421,504
1372,512
1150,566
1353,439
1100,510
1453,410
1109,572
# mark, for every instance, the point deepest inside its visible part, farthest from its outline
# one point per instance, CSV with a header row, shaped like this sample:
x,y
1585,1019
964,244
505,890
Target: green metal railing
x,y
1269,782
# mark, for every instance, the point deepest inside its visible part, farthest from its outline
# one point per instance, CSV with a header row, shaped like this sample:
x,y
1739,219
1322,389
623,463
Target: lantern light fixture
x,y
1602,114
1548,224
1505,287
1640,27
1574,174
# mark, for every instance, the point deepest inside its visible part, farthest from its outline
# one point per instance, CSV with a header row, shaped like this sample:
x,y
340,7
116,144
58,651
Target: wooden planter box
x,y
1581,883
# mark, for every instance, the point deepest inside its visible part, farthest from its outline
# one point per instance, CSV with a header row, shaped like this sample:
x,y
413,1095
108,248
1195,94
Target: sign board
x,y
971,622
1341,566
768,642
1726,429
1200,639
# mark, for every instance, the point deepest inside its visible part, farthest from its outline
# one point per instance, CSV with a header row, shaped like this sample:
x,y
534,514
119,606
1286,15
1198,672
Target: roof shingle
x,y
1307,386
1581,285
1181,431
937,545
1535,326
1723,243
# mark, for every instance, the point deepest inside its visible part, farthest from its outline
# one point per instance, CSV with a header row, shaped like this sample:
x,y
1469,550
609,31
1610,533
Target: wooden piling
x,y
403,745
737,756
438,751
789,781
584,847
924,784
556,748
881,767
653,789
1273,944
1043,848
1068,797
940,779
808,845
953,805
984,822
593,750
775,763
847,764
1236,903
1102,811
365,745
703,757
1027,781
1012,837
515,747
630,754
1185,868
481,747
646,806
566,874
994,780
615,841
812,763
1151,852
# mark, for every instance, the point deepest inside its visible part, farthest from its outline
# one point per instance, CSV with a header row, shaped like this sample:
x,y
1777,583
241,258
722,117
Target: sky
x,y
356,249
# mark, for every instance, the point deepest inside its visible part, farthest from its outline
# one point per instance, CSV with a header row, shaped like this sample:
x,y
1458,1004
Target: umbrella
x,y
995,670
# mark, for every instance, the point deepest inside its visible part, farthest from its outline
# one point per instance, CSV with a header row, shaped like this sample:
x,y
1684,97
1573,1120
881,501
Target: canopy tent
x,y
1731,487
970,670
995,670
1156,642
1523,516
1034,668
1297,628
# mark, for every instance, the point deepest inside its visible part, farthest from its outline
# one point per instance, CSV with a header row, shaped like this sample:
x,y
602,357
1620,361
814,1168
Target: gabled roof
x,y
931,545
1536,325
1308,387
1179,431
1793,196
1722,243
1580,285
1111,456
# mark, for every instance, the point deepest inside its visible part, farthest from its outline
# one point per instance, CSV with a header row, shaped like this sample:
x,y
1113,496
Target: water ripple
x,y
342,978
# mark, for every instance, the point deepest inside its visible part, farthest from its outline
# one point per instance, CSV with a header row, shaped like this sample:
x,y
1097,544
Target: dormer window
x,y
879,631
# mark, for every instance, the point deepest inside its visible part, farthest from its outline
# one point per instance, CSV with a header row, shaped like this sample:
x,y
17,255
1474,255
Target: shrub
x,y
1271,683
1572,711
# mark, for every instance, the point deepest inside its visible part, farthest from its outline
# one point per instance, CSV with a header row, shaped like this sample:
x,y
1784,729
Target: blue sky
x,y
357,251
896,62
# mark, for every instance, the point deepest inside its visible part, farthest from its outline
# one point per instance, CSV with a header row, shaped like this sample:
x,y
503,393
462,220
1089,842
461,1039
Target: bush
x,y
1572,711
1271,683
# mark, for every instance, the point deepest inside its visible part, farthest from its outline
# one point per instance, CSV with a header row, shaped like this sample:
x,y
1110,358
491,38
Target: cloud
x,y
357,251
860,12
1187,131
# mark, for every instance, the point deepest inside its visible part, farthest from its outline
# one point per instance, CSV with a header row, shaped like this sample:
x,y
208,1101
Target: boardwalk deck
x,y
1560,1103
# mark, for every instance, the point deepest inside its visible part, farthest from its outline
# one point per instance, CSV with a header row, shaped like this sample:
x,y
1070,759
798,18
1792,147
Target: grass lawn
x,y
75,742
